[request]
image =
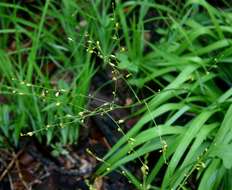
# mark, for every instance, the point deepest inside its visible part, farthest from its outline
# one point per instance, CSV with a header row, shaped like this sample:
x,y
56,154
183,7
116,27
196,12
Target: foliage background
x,y
174,57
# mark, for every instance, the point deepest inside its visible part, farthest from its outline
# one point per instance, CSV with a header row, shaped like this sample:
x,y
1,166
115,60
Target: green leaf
x,y
126,64
224,153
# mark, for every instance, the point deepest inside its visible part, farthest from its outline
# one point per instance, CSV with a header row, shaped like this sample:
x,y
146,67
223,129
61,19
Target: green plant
x,y
46,71
189,119
185,72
